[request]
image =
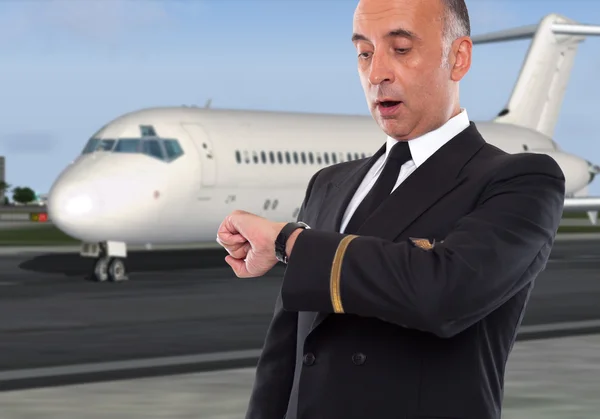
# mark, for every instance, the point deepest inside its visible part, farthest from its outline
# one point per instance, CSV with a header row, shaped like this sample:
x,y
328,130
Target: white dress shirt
x,y
421,148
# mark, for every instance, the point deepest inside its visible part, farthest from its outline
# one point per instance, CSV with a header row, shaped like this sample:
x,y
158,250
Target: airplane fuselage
x,y
170,175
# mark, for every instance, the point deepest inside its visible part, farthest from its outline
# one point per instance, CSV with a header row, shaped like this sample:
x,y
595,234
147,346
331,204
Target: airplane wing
x,y
582,204
588,204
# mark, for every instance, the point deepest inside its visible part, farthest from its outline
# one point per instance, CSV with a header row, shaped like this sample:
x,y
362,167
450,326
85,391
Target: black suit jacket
x,y
415,316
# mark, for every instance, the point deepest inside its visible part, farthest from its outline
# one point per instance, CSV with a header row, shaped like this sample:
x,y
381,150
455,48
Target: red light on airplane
x,y
38,217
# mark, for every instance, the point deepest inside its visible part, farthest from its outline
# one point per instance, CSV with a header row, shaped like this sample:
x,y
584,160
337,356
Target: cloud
x,y
29,142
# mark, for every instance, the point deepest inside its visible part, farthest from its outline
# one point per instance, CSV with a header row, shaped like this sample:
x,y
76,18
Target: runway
x,y
190,303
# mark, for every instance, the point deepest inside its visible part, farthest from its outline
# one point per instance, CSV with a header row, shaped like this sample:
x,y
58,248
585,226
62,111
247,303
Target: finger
x,y
227,229
238,266
231,239
239,251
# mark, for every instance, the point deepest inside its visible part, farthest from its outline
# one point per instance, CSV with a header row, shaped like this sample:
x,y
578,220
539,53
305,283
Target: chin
x,y
394,128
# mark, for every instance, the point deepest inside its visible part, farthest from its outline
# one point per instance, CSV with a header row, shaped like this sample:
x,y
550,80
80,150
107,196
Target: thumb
x,y
238,266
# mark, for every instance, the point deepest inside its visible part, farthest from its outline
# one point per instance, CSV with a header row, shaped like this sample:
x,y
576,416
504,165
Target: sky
x,y
70,66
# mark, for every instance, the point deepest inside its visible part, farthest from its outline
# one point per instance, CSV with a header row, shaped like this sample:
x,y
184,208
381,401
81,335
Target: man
x,y
403,298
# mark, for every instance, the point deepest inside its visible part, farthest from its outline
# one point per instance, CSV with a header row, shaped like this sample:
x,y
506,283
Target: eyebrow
x,y
400,32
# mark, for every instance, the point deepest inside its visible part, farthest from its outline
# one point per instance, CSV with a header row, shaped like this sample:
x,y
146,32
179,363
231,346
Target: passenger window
x,y
295,157
174,150
152,148
349,156
326,157
279,157
272,157
334,158
287,157
255,157
311,158
263,156
303,155
238,156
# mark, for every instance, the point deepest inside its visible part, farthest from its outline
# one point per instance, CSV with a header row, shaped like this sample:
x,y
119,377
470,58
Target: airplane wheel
x,y
116,270
101,269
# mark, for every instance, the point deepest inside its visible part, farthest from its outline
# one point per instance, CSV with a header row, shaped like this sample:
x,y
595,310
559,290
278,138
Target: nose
x,y
74,209
107,199
380,70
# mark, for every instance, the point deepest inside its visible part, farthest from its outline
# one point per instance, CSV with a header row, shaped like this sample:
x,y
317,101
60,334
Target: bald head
x,y
411,54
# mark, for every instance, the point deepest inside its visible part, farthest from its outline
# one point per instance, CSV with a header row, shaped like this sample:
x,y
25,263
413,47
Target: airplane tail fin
x,y
538,94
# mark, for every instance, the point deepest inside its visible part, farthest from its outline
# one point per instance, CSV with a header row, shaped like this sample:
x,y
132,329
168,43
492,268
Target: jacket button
x,y
358,358
309,359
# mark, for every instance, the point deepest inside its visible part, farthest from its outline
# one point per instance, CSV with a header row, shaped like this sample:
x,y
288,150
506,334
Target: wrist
x,y
286,237
292,239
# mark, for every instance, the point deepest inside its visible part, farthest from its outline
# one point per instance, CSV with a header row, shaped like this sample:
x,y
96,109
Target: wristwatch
x,y
283,237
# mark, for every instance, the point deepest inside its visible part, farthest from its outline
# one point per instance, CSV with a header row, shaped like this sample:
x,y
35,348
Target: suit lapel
x,y
435,178
340,192
430,182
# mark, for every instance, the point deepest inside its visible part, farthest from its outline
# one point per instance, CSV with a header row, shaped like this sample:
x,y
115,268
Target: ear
x,y
461,57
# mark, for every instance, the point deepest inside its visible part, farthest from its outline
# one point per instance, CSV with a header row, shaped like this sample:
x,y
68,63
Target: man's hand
x,y
250,242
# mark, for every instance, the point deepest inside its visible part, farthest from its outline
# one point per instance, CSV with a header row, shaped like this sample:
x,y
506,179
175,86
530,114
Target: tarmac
x,y
185,311
545,379
179,339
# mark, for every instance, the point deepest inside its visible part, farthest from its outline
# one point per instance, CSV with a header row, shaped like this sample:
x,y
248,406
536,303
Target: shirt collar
x,y
423,147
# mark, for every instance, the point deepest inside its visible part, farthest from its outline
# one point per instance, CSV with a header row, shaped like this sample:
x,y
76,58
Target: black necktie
x,y
399,154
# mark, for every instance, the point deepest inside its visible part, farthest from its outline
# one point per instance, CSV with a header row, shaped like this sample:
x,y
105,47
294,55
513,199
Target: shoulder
x,y
532,175
521,164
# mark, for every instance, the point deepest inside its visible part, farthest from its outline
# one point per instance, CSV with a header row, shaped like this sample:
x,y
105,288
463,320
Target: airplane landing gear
x,y
110,264
109,269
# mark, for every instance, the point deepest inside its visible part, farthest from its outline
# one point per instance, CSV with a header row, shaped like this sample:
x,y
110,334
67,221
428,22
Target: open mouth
x,y
389,103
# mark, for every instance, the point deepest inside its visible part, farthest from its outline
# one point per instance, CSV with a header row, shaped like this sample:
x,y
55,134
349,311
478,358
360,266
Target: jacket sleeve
x,y
490,254
275,370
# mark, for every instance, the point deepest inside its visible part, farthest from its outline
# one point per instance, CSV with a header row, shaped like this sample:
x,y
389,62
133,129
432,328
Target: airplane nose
x,y
72,208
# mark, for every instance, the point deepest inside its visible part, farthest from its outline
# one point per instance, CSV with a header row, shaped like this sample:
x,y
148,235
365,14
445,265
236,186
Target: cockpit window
x,y
152,148
147,131
128,146
96,144
173,149
165,150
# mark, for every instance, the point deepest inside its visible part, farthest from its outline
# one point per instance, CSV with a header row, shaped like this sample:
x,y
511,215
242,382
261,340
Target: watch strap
x,y
282,238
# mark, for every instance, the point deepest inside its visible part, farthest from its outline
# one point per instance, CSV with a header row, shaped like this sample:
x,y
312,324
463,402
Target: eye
x,y
364,55
402,50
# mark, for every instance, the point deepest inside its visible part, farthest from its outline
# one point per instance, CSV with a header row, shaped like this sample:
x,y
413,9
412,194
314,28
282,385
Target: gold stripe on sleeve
x,y
336,271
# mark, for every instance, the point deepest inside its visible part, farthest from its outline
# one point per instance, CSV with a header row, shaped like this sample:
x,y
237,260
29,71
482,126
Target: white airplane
x,y
170,175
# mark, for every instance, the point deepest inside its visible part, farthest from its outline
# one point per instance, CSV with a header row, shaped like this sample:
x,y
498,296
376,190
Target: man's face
x,y
399,45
